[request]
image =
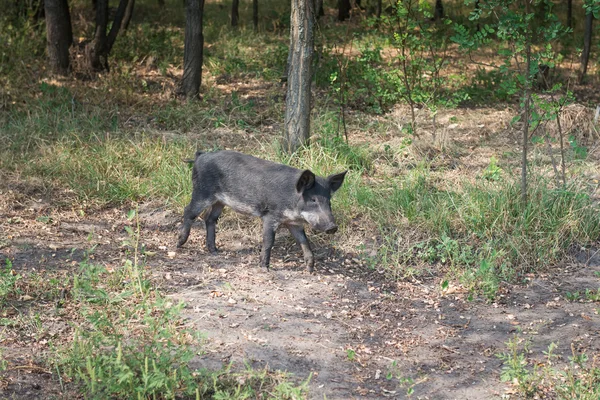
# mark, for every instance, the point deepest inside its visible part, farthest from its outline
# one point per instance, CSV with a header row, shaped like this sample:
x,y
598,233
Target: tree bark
x,y
298,98
527,95
255,15
116,25
235,13
128,14
587,44
477,8
59,34
193,49
320,9
95,49
99,48
438,11
379,7
343,10
570,13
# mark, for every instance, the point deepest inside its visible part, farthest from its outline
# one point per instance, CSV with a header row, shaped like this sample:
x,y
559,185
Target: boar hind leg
x,y
300,236
210,220
269,228
189,215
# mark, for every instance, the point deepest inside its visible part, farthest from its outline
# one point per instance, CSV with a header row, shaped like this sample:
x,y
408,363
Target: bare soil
x,y
343,326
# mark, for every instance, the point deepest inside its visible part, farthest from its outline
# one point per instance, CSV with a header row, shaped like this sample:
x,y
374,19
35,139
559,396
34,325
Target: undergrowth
x,y
127,340
547,378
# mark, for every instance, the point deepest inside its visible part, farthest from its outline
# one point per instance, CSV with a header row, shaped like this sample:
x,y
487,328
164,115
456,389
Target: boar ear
x,y
335,181
305,182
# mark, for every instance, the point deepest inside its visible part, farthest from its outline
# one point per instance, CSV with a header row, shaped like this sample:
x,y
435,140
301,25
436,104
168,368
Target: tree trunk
x,y
319,7
59,34
587,44
235,13
343,10
95,49
255,14
478,28
116,25
527,95
379,7
438,12
99,48
128,14
570,13
193,48
298,98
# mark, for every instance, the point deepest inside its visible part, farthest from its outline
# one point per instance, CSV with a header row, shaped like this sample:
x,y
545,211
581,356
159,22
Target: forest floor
x,y
351,331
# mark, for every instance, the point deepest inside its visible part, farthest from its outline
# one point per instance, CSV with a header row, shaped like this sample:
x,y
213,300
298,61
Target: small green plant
x,y
592,295
515,366
493,171
572,296
580,379
408,383
8,281
351,354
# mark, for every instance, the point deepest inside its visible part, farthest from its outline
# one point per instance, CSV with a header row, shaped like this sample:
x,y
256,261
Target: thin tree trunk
x,y
116,25
562,149
527,93
438,12
298,98
343,10
478,28
95,49
587,44
128,14
193,49
570,13
99,48
59,34
255,14
235,13
379,7
320,11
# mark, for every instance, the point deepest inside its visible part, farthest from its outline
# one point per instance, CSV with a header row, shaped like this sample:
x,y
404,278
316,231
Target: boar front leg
x,y
300,236
269,228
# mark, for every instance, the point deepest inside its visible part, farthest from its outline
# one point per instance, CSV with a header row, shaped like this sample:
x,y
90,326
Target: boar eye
x,y
314,200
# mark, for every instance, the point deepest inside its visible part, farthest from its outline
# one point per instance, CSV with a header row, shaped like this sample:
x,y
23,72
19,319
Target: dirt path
x,y
344,325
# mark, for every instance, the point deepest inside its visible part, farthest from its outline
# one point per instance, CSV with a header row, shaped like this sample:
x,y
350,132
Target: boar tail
x,y
198,154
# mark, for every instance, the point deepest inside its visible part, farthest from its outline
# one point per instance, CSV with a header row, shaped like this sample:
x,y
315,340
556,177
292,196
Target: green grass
x,y
125,340
111,139
530,378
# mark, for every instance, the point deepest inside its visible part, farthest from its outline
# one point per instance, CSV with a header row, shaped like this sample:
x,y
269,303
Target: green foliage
x,y
508,29
394,374
493,172
572,296
483,232
8,281
580,379
132,342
